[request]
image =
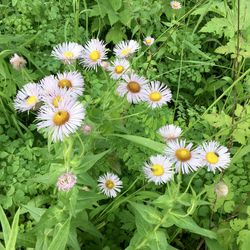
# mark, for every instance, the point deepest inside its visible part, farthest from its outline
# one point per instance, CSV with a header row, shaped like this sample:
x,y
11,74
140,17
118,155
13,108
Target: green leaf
x,y
156,146
115,34
148,213
189,224
213,244
35,212
13,233
244,239
88,162
5,225
60,240
116,4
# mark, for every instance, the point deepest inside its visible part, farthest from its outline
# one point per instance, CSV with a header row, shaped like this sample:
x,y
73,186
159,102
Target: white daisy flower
x,y
71,80
58,95
67,52
157,94
214,156
62,121
27,97
110,184
158,170
94,53
125,49
148,40
175,5
185,159
134,87
18,62
48,85
120,66
170,132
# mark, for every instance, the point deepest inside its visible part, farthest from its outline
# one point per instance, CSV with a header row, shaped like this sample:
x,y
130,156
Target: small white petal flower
x,y
72,81
27,97
67,52
49,84
125,49
148,40
120,66
221,189
214,156
18,62
159,169
157,94
66,182
185,159
94,53
175,5
134,87
62,121
170,132
58,95
110,184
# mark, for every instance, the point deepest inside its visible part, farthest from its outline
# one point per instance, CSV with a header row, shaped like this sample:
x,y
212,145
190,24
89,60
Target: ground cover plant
x,y
124,124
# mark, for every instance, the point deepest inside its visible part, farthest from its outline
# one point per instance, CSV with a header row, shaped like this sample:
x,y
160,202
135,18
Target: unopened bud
x,y
221,189
17,62
86,129
105,65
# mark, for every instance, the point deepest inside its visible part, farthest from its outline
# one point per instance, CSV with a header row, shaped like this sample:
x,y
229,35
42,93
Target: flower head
x,y
94,53
157,94
67,52
148,40
110,184
134,87
125,49
18,62
118,68
86,129
66,182
27,97
72,81
170,132
159,169
214,156
175,5
185,159
61,121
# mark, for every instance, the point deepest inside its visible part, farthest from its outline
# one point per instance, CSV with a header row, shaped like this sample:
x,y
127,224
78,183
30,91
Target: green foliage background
x,y
202,53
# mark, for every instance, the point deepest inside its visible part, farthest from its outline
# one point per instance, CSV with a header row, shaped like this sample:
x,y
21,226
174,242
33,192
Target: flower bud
x,y
221,189
17,62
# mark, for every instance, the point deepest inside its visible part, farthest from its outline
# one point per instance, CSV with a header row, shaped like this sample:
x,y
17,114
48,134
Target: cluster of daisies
x,y
55,98
130,85
179,157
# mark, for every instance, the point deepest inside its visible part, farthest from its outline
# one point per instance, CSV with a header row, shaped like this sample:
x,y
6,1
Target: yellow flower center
x,y
94,55
31,100
60,117
119,69
65,83
155,96
212,157
148,41
134,87
109,184
157,170
183,154
126,51
56,101
68,54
